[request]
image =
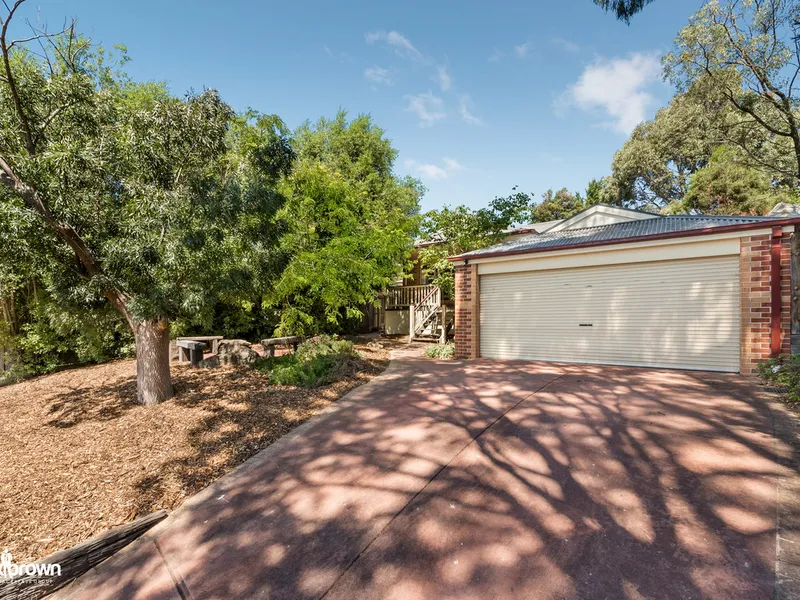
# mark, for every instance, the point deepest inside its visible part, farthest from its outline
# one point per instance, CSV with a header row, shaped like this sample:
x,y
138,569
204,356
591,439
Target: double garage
x,y
676,313
715,300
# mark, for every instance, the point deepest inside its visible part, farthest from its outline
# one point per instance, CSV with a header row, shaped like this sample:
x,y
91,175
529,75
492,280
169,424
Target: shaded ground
x,y
492,479
80,456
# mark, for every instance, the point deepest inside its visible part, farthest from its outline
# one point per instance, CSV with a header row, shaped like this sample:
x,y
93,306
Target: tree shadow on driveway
x,y
496,479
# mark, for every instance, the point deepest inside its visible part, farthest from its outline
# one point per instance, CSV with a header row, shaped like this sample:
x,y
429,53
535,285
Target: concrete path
x,y
495,479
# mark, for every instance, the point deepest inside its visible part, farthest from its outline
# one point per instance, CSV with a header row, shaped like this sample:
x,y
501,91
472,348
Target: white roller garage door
x,y
680,314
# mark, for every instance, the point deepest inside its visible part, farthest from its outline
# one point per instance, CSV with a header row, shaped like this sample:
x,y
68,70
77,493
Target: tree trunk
x,y
153,383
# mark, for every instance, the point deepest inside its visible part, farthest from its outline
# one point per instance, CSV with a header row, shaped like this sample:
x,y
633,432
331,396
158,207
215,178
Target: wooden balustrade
x,y
397,297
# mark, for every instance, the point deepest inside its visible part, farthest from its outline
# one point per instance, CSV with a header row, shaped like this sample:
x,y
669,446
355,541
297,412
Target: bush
x,y
323,345
441,351
784,370
318,361
53,336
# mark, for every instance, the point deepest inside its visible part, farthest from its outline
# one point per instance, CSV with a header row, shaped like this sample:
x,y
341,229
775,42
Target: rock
x,y
375,345
209,363
236,352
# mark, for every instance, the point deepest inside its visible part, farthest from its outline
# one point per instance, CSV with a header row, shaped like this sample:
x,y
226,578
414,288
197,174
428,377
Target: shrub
x,y
441,351
323,345
318,361
783,370
53,336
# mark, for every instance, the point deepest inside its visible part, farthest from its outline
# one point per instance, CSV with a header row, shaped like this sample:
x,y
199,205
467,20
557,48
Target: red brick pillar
x,y
467,311
765,327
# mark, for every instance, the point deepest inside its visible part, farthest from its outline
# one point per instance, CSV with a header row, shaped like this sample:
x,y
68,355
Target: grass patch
x,y
319,361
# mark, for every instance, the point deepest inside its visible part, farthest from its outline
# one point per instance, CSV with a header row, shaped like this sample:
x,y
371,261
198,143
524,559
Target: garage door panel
x,y
673,313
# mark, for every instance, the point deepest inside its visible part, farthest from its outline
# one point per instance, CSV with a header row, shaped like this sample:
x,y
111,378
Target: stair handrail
x,y
421,316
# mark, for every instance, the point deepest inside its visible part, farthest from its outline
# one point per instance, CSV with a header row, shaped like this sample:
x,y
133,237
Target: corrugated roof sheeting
x,y
615,231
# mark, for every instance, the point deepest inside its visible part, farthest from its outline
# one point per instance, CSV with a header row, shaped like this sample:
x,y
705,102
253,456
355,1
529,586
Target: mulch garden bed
x,y
79,455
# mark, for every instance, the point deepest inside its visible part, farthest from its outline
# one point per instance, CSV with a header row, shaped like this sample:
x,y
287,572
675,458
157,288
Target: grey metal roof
x,y
614,231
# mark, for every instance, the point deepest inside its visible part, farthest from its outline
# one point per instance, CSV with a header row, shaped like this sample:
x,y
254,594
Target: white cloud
x,y
427,107
566,45
430,171
452,165
443,78
464,104
616,86
378,75
401,44
496,55
522,49
435,172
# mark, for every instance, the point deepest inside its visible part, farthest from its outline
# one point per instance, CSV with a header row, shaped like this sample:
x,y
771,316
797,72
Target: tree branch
x,y
12,84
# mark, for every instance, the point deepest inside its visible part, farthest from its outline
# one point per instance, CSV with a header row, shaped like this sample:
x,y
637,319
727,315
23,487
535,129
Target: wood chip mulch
x,y
79,456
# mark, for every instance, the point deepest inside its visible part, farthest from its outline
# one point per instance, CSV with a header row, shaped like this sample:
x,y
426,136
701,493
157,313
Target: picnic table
x,y
184,351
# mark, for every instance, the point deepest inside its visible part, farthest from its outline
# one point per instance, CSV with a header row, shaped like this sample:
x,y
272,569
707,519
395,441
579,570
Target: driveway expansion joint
x,y
180,585
436,474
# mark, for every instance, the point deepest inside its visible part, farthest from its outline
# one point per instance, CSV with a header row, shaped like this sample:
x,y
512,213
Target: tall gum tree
x,y
748,51
158,204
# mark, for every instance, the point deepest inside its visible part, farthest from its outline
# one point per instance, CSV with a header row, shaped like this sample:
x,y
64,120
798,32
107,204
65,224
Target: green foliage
x,y
441,351
461,229
118,192
52,335
653,167
623,9
558,205
746,54
727,186
318,361
349,225
594,192
323,345
785,371
163,190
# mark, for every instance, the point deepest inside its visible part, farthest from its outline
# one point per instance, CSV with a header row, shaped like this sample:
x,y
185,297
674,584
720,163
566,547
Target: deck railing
x,y
405,296
424,312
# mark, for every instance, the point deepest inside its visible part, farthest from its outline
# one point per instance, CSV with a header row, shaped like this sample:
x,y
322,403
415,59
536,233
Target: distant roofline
x,y
522,229
760,224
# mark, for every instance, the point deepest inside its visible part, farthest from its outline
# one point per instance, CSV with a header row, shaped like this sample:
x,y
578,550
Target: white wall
x,y
396,322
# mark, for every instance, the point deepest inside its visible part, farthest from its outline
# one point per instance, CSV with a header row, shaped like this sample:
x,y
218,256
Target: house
x,y
430,313
623,287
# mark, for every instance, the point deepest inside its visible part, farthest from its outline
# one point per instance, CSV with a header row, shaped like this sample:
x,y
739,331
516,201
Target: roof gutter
x,y
640,238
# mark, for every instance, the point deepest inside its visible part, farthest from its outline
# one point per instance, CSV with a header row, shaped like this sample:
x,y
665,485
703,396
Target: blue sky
x,y
476,96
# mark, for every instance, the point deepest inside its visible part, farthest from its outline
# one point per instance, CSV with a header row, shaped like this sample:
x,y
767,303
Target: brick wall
x,y
467,311
755,272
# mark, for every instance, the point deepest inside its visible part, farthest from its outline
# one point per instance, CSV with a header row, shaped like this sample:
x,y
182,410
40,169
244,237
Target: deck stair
x,y
427,318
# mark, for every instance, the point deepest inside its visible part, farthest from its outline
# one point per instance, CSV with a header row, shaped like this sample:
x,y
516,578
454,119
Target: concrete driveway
x,y
495,479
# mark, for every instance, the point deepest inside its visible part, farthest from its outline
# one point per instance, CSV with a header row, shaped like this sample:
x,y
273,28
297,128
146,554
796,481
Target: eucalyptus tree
x,y
653,167
727,186
748,52
157,204
623,9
